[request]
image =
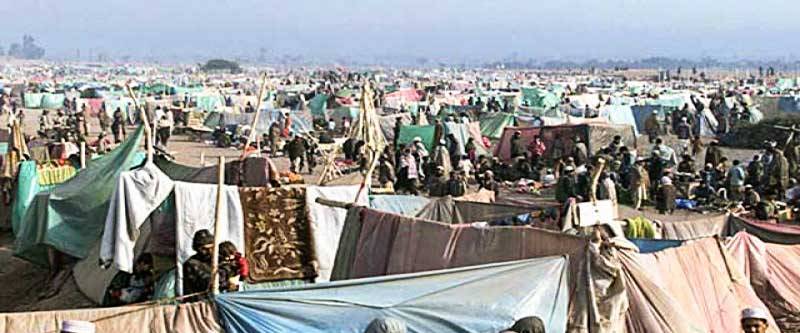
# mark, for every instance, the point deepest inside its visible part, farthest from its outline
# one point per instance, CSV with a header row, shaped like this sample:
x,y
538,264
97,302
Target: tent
x,y
32,100
539,98
559,139
69,217
318,105
706,123
768,231
620,115
453,300
642,112
691,288
191,317
773,271
789,104
409,132
452,210
492,124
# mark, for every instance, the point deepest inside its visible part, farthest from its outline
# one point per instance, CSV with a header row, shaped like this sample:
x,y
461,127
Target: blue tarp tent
x,y
655,245
486,298
620,115
789,104
407,205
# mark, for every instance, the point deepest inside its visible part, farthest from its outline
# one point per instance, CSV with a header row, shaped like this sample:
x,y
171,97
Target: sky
x,y
451,30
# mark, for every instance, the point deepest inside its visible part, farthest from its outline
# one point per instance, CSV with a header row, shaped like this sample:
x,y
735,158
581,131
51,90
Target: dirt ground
x,y
22,281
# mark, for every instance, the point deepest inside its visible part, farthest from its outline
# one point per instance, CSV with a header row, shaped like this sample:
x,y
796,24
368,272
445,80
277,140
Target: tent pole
x,y
145,122
217,228
83,154
258,113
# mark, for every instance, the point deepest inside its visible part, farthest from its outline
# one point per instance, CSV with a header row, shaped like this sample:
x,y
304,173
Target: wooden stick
x,y
333,203
147,131
217,228
258,113
83,154
202,158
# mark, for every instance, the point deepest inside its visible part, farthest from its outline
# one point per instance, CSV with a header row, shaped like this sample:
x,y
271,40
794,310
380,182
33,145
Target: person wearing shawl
x,y
386,325
665,202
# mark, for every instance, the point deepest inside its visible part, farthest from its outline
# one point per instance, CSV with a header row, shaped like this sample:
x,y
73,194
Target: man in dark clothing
x,y
713,153
457,185
296,149
682,130
274,135
438,184
197,269
567,186
118,126
778,172
517,147
665,198
579,152
755,172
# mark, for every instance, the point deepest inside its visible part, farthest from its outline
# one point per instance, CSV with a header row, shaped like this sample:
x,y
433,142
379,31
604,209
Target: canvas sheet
x,y
768,231
439,301
327,222
70,217
193,317
407,205
773,271
694,228
409,132
698,283
137,194
277,235
195,206
493,124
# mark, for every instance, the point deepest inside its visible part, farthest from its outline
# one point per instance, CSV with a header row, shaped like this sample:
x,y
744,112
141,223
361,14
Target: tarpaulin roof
x,y
768,231
559,140
399,204
692,288
70,217
493,124
409,132
192,317
485,298
774,271
449,210
620,115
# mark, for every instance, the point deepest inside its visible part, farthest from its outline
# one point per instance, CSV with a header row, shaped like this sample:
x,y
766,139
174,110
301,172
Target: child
x,y
133,288
233,267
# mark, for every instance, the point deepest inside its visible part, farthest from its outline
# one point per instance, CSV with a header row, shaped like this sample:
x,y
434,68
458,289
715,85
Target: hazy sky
x,y
439,29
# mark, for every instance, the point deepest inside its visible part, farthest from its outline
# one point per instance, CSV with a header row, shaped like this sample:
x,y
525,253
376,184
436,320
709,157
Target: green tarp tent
x,y
70,217
33,100
539,98
492,124
52,101
409,132
209,103
317,105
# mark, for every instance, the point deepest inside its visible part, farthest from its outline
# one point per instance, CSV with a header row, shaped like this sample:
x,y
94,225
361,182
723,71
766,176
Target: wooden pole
x,y
145,122
83,154
217,228
202,158
258,113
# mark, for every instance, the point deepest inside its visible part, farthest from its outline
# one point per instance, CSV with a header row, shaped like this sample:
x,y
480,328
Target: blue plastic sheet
x,y
655,245
485,298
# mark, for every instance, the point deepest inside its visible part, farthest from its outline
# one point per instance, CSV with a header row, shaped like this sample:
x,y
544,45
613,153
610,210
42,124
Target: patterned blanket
x,y
277,234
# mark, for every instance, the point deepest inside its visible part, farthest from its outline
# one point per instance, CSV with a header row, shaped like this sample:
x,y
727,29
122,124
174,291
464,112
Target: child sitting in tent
x,y
127,288
233,267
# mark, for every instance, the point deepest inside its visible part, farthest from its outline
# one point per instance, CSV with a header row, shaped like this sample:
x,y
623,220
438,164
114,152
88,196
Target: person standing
x,y
580,152
736,179
639,183
118,126
537,149
665,202
778,173
517,147
651,126
713,153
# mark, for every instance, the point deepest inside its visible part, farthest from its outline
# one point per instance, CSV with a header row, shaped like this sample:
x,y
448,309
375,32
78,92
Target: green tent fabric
x,y
317,105
409,132
492,124
52,101
70,217
344,93
187,90
27,188
539,98
33,100
209,103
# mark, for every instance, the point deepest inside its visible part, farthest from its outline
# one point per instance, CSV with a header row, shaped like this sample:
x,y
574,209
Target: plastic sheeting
x,y
768,231
692,288
773,270
327,222
620,115
32,100
70,217
407,205
193,317
493,124
409,132
448,210
440,301
53,101
559,140
654,245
